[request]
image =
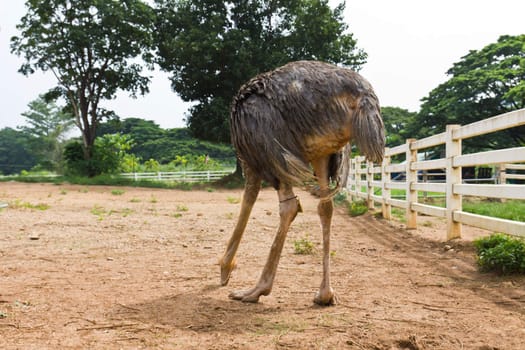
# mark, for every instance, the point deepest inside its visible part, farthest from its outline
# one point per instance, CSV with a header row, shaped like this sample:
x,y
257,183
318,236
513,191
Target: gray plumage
x,y
283,119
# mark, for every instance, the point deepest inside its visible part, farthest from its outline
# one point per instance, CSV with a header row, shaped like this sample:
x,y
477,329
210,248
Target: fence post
x,y
411,177
354,179
358,176
502,174
369,187
386,208
454,201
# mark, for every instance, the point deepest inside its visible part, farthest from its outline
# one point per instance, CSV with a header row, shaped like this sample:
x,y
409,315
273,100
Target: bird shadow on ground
x,y
197,311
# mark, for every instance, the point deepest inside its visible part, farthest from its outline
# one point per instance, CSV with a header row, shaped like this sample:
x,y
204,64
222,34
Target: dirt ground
x,y
130,268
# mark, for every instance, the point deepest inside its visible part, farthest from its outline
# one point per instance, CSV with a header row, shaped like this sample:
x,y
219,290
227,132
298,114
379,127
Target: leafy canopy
x,y
482,84
47,126
212,47
89,45
15,151
399,124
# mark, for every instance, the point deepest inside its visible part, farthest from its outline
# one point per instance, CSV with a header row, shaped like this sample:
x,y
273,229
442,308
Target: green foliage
x,y
18,204
174,146
501,253
510,209
89,46
233,200
46,127
303,246
182,207
399,125
109,156
357,208
482,84
341,198
151,165
15,151
211,48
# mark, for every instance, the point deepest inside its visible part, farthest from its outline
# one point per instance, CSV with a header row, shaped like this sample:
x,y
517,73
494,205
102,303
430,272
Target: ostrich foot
x,y
226,271
249,295
325,297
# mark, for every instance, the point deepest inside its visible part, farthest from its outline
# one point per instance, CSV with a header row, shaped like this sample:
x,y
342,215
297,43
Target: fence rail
x,y
180,176
367,180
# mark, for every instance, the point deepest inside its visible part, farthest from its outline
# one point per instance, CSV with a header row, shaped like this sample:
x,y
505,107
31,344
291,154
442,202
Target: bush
x,y
357,208
501,253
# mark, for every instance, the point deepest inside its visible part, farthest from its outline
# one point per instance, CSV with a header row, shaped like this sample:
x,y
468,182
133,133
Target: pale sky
x,y
410,46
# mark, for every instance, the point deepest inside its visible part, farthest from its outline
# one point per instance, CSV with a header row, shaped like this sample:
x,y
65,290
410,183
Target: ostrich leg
x,y
325,295
288,209
251,190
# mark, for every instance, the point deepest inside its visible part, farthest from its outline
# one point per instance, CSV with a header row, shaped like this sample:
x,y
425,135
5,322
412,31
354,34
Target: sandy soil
x,y
130,268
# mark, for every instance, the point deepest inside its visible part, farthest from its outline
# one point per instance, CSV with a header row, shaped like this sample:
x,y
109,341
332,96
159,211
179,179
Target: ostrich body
x,y
294,124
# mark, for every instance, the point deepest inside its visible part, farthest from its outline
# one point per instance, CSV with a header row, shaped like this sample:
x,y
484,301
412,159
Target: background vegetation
x,y
210,48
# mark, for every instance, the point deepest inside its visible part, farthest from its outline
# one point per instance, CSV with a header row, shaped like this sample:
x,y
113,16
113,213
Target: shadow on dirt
x,y
198,312
504,291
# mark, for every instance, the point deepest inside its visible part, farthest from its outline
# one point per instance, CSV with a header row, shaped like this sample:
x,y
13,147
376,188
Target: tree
x,y
482,84
151,141
89,45
47,127
15,152
211,48
399,124
110,154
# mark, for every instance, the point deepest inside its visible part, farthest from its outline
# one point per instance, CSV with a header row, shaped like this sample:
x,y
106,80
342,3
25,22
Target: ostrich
x,y
294,124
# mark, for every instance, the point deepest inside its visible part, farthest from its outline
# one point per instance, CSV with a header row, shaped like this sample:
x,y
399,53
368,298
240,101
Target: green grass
x,y
233,200
182,207
510,209
18,204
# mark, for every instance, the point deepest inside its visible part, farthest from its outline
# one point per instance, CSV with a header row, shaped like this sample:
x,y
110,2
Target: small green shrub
x,y
340,198
303,246
501,253
117,192
357,208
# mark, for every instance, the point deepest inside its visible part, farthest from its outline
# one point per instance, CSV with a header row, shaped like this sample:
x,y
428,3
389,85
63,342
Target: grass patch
x,y
510,209
99,211
182,207
233,200
117,192
18,204
303,246
501,253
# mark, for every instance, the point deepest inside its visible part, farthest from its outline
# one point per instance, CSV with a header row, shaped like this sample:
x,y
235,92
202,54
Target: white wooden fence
x,y
367,180
180,176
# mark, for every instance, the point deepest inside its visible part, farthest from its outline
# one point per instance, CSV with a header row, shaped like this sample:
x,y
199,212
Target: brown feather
x,y
283,119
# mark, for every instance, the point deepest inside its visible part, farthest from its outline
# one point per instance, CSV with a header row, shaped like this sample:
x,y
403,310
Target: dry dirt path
x,y
130,268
